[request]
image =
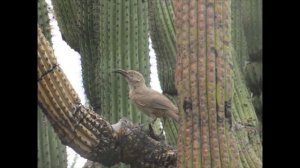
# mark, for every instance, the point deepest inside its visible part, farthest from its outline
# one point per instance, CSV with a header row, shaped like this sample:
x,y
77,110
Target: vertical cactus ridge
x,y
124,49
63,154
50,149
44,159
247,41
235,157
45,143
40,157
112,24
184,146
194,123
245,136
110,35
51,153
162,33
171,130
251,71
246,115
223,70
201,70
68,21
252,24
125,46
171,127
53,145
212,51
113,34
143,57
238,35
89,49
43,19
204,78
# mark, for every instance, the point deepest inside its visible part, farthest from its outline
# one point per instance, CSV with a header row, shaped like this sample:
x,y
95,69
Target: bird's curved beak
x,y
121,71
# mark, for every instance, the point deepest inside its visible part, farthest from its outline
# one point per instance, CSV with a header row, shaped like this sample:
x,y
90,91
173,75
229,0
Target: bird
x,y
147,100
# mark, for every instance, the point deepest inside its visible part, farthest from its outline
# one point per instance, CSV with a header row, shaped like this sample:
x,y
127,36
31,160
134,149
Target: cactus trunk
x,y
51,153
205,83
247,42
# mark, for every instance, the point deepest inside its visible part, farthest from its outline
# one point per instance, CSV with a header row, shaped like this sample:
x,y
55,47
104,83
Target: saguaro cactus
x,y
204,82
87,132
43,19
51,153
113,34
162,31
247,42
218,123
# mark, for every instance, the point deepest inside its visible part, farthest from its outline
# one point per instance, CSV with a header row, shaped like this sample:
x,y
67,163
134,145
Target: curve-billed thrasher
x,y
149,101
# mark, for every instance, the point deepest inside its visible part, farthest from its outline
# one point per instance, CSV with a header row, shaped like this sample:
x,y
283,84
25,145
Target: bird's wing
x,y
156,100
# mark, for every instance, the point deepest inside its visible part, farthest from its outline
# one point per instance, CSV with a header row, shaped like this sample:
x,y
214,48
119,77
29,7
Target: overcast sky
x,y
69,61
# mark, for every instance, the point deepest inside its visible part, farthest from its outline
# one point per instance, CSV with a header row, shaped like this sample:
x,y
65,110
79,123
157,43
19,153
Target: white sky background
x,y
69,61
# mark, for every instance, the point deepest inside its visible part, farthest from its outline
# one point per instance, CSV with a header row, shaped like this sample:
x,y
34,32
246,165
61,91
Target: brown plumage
x,y
147,100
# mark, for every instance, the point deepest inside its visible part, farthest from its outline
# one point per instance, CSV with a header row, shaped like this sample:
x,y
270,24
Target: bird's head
x,y
134,78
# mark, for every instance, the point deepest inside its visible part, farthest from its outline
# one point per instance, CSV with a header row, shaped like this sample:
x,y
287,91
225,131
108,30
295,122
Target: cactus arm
x,y
86,131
